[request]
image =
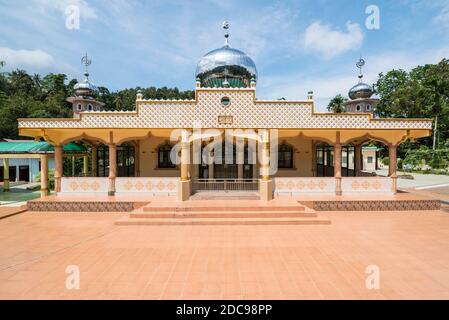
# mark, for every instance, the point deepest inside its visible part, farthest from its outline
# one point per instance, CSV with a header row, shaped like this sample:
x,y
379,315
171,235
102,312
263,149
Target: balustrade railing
x,y
225,184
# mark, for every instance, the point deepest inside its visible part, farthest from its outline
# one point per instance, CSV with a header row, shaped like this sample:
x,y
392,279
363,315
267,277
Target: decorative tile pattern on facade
x,y
80,206
303,185
377,205
366,184
155,186
84,185
244,110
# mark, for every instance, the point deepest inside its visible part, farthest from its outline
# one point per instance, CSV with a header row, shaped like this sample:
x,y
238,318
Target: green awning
x,y
74,147
38,147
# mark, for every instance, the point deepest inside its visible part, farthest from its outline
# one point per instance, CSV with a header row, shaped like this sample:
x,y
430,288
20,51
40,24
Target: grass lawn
x,y
17,195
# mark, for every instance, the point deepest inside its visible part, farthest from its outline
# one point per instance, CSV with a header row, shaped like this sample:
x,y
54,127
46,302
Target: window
x,y
368,107
225,101
79,106
370,159
125,161
285,156
358,108
163,156
89,107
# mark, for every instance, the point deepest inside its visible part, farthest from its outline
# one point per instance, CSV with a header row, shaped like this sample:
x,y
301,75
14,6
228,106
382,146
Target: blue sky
x,y
297,45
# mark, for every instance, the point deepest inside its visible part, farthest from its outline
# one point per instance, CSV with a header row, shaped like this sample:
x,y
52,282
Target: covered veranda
x,y
131,161
44,153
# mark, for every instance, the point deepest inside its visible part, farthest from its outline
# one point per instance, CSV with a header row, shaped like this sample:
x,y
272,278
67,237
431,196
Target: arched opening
x,y
325,160
76,155
228,167
125,160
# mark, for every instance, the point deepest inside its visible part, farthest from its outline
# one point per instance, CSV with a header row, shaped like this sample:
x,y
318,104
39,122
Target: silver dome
x,y
85,88
226,64
361,90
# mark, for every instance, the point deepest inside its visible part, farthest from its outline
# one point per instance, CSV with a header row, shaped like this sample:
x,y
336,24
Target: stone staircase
x,y
233,195
223,215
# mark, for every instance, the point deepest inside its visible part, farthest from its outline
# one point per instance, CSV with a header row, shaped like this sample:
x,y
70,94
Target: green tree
x,y
336,105
421,93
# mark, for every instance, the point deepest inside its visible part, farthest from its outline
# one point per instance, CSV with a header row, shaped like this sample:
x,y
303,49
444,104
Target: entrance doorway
x,y
228,170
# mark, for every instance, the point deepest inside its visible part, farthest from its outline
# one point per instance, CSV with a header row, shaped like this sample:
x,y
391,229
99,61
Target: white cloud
x,y
86,10
442,19
329,83
323,39
35,59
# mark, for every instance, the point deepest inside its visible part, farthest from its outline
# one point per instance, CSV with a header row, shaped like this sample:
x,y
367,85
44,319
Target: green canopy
x,y
18,147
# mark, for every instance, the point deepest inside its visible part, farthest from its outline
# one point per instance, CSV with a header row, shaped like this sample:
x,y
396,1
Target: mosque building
x,y
315,152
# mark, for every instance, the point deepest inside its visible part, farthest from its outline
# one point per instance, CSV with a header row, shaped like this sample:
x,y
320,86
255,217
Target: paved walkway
x,y
420,180
7,211
214,262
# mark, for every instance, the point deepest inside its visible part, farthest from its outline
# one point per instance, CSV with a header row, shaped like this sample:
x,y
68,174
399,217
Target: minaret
x,y
360,95
85,93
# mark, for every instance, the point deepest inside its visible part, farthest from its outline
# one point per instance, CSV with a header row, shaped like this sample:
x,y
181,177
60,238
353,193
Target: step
x,y
223,221
225,214
224,209
194,198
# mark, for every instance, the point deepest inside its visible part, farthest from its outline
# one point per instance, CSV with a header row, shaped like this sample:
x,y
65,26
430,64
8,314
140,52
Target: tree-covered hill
x,y
32,96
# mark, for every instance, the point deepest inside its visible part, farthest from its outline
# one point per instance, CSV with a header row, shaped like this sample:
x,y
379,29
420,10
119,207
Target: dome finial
x,y
226,26
85,88
87,62
360,65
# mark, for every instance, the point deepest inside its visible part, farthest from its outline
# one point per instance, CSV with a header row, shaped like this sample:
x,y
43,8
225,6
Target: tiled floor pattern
x,y
229,262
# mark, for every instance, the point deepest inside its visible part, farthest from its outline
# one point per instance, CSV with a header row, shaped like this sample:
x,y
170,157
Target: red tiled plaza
x,y
225,262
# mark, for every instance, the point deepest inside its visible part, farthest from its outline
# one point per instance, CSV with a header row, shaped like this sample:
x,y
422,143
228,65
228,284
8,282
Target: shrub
x,y
51,179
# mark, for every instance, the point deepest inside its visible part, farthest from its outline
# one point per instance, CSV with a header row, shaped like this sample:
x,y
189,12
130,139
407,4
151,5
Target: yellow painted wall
x,y
302,155
148,159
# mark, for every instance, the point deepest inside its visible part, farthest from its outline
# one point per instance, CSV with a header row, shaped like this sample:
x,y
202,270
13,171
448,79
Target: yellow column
x,y
58,168
265,165
112,168
337,168
211,170
184,161
392,150
44,176
265,184
184,183
5,175
240,171
85,165
94,161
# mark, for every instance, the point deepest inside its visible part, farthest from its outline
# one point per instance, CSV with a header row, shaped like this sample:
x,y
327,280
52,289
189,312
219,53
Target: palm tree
x,y
118,102
336,105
